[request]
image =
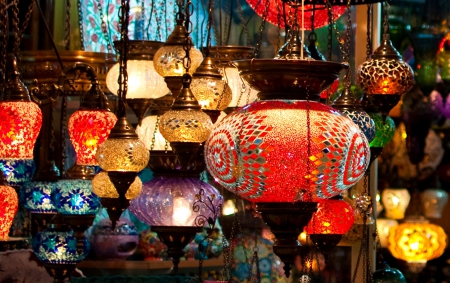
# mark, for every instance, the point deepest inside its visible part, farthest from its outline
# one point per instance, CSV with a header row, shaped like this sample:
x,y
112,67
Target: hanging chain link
x,y
278,25
3,42
15,27
330,36
142,22
228,11
26,20
346,55
369,31
63,130
189,10
80,23
104,26
155,131
67,27
262,27
124,17
336,30
385,19
242,19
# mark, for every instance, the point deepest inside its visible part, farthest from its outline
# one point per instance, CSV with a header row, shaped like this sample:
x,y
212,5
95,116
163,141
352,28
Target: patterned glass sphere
x,y
260,151
332,217
168,201
75,197
88,129
384,130
185,126
37,197
364,122
211,93
125,155
59,247
20,123
104,188
383,76
242,92
417,242
143,80
320,15
169,59
17,171
9,203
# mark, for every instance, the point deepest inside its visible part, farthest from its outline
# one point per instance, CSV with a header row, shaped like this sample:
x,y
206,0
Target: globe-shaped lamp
x,y
395,202
36,197
104,188
9,203
333,216
17,172
433,202
261,151
75,197
384,130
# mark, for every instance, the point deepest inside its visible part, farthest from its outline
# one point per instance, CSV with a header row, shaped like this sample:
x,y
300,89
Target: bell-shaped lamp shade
x,y
166,201
384,227
185,126
36,197
242,92
76,197
384,130
395,202
124,155
104,188
17,171
211,93
149,134
143,80
433,202
59,247
332,217
261,152
9,203
417,242
87,130
169,59
20,123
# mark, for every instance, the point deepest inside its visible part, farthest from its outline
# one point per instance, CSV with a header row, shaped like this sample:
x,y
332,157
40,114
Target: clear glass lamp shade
x,y
104,188
242,92
211,93
166,201
185,126
395,202
148,130
168,60
124,155
143,80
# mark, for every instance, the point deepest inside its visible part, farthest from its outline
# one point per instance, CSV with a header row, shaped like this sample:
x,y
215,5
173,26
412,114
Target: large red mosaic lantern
x,y
261,152
87,130
333,216
9,202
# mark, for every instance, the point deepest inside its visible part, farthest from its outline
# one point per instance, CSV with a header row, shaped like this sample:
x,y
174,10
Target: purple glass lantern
x,y
166,201
441,107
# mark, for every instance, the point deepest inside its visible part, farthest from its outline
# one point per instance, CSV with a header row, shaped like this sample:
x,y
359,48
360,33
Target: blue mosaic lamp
x,y
347,104
17,171
75,197
59,251
36,197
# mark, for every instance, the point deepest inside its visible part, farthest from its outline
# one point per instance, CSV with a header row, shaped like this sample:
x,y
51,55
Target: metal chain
x,y
242,19
63,130
330,36
15,27
290,21
385,19
124,17
80,23
149,22
369,31
256,258
336,30
348,76
104,26
67,27
3,41
262,27
155,131
27,19
197,24
278,26
227,9
189,9
142,22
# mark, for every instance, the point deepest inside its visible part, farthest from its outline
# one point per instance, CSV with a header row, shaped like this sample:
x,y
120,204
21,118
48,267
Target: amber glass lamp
x,y
104,188
395,202
417,242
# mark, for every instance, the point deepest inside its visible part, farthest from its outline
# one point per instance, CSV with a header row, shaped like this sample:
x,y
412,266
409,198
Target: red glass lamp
x,y
87,130
20,119
9,203
334,217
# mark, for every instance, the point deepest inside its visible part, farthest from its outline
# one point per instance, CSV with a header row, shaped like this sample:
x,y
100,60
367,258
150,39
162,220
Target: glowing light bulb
x,y
181,211
229,208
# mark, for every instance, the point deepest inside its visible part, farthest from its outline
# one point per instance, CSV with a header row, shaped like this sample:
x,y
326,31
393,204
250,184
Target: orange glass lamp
x,y
417,242
334,217
9,203
395,202
20,118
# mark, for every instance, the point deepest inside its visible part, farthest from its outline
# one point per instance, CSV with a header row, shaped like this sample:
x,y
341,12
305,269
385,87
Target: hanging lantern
x,y
36,197
395,202
17,171
386,274
20,119
272,140
384,130
104,188
384,226
433,202
9,203
334,217
276,7
417,242
385,77
75,197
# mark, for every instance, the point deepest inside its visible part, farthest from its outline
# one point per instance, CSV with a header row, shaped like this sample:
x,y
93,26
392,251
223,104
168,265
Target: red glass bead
x,y
87,130
332,217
